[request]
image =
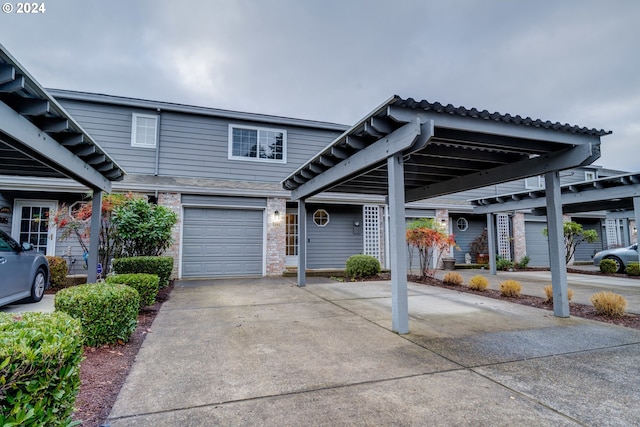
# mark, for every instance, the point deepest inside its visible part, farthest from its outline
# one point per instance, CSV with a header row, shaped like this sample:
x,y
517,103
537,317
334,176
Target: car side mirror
x,y
26,246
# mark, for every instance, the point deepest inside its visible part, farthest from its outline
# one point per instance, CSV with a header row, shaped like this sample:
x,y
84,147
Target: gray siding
x,y
585,251
331,245
194,199
464,238
191,145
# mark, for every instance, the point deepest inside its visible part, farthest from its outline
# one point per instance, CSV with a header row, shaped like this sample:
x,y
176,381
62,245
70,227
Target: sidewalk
x,y
265,352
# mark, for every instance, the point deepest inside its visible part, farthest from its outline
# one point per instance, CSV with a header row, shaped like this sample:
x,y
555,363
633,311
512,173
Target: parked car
x,y
24,272
621,256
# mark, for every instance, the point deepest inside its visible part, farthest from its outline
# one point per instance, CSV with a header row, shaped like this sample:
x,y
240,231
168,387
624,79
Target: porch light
x,y
276,217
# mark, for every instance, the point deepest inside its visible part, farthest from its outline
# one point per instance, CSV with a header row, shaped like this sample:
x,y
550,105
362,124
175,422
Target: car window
x,y
7,244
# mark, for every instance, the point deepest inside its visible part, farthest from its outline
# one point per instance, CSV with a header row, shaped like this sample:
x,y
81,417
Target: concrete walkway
x,y
265,352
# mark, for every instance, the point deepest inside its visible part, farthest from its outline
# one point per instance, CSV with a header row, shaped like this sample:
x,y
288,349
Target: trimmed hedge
x,y
633,269
362,266
145,284
608,266
58,270
160,265
40,355
108,312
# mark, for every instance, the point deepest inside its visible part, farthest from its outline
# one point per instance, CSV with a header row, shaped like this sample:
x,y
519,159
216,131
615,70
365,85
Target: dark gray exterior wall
x,y
331,245
191,145
464,238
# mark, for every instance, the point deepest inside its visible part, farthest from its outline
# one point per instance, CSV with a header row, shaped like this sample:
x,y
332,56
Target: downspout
x,y
157,165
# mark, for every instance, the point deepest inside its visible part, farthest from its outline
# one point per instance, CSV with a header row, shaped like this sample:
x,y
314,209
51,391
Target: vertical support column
x,y
302,243
397,246
491,239
636,209
94,240
556,245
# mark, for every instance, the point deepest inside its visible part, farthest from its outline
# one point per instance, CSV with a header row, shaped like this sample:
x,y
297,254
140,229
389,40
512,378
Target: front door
x,y
31,224
291,223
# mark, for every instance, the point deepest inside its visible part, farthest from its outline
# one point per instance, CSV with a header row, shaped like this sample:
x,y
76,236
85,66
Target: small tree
x,y
574,235
430,241
77,223
144,228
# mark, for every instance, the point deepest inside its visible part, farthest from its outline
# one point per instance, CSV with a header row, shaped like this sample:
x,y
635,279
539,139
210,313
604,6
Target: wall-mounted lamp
x,y
356,224
276,217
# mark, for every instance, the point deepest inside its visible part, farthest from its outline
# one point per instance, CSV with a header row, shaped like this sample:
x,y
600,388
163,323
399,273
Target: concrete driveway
x,y
265,352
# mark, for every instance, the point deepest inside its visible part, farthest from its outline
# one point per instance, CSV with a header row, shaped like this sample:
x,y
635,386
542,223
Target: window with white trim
x,y
321,218
257,144
144,130
462,224
589,176
534,182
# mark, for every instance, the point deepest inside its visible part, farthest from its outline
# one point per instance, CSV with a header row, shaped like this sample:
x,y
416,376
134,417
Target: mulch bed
x,y
105,368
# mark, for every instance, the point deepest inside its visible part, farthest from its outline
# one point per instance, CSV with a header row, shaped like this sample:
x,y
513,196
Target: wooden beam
x,y
13,86
32,106
7,73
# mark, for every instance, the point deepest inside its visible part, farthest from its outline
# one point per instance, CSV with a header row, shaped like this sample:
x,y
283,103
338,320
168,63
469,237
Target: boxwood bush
x,y
633,269
108,312
608,266
40,356
160,265
360,265
58,270
145,284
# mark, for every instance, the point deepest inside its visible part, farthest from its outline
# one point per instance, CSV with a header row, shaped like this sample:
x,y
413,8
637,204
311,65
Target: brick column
x,y
519,237
442,221
276,234
173,202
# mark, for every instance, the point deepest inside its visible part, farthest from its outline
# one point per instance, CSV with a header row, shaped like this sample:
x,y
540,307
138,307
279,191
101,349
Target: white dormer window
x,y
144,130
590,176
257,144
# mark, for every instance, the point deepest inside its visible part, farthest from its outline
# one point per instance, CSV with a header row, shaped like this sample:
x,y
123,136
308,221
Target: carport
x,y
38,138
411,150
618,195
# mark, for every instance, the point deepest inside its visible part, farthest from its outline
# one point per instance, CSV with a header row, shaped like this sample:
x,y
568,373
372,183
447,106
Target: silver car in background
x,y
24,272
621,256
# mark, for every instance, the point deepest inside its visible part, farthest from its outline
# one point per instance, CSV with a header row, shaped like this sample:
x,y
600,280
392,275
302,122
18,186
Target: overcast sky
x,y
574,61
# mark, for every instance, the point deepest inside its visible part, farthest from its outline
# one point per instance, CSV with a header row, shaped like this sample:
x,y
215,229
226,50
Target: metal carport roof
x,y
38,138
412,150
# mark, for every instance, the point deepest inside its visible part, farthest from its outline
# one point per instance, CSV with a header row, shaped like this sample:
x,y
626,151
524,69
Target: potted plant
x,y
480,248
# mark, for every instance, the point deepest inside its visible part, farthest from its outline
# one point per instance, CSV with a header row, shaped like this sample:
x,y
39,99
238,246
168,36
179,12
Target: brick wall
x,y
276,231
172,201
519,237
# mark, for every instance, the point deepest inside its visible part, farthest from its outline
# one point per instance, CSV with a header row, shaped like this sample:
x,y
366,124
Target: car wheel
x,y
619,264
38,286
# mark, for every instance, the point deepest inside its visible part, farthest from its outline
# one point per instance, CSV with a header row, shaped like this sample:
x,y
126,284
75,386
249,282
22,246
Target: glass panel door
x,y
291,259
32,224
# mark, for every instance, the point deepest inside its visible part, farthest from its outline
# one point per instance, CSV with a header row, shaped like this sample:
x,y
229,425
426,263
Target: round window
x,y
321,218
462,224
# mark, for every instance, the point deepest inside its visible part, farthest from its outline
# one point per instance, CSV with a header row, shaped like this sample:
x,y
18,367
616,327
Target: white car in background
x,y
621,256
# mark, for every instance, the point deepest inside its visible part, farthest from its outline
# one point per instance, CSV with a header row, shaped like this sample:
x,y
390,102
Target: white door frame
x,y
18,204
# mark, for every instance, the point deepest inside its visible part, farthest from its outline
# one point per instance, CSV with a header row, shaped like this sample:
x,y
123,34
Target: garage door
x,y
221,242
537,246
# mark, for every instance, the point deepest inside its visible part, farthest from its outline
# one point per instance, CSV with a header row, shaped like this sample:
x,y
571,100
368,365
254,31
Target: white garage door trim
x,y
216,206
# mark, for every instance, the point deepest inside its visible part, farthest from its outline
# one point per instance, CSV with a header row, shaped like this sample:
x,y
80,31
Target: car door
x,y
14,268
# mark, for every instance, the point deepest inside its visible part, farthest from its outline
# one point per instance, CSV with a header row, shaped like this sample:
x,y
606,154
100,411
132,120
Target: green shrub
x,y
608,266
478,283
510,288
145,284
362,266
453,279
524,262
108,312
40,356
160,265
548,291
58,270
609,304
503,264
633,269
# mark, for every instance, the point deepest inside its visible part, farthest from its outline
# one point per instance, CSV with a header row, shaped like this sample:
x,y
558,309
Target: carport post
x,y
398,245
636,212
94,239
302,243
556,244
491,238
